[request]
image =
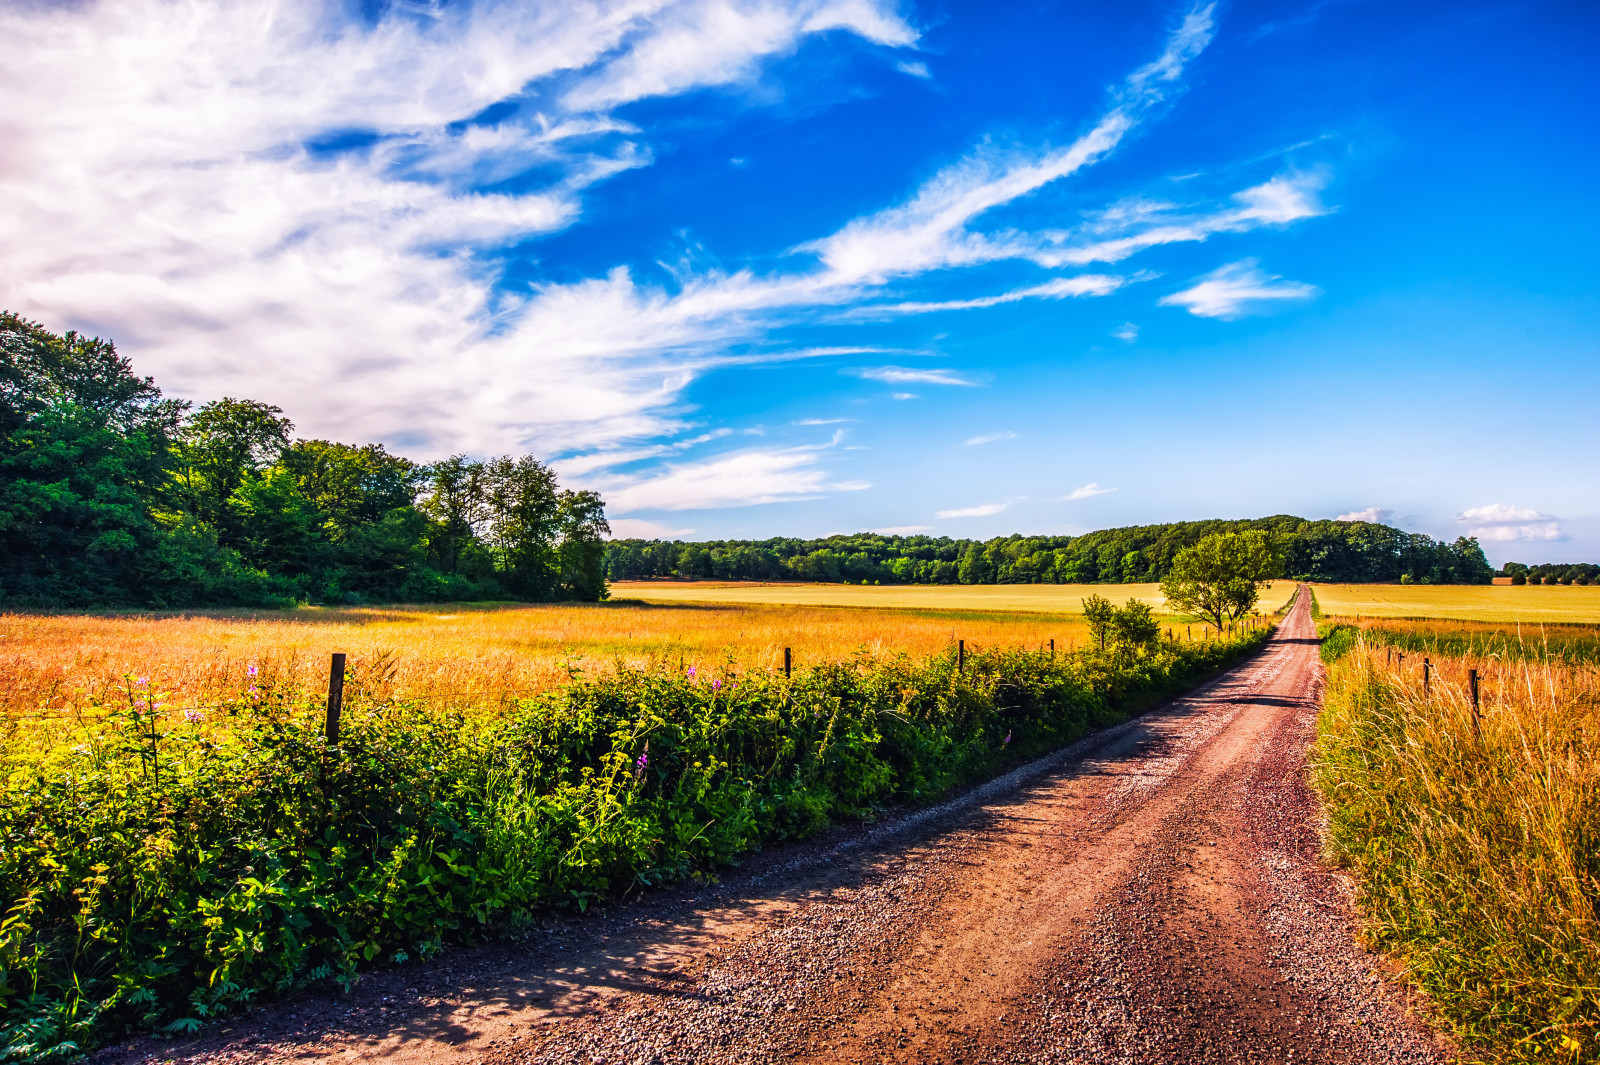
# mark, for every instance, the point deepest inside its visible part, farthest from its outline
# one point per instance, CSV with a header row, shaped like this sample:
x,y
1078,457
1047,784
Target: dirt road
x,y
1150,895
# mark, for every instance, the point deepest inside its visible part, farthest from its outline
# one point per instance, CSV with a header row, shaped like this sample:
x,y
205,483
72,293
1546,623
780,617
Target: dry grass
x,y
1529,604
1019,598
1473,838
456,655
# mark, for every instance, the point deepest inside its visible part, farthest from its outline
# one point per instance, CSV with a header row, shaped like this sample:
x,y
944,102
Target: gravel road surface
x,y
1151,895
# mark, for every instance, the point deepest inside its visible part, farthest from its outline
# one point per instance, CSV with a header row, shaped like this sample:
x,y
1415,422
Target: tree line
x,y
1552,573
1306,550
111,493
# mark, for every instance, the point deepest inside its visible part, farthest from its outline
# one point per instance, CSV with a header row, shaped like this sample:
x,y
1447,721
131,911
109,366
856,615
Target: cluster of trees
x,y
1552,573
1307,550
111,493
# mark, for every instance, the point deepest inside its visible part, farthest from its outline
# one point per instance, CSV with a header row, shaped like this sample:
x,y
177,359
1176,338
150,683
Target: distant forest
x,y
1310,550
1552,573
111,494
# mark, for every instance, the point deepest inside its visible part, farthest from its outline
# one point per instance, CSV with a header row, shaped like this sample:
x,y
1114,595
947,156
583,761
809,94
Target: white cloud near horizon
x,y
1376,515
1088,491
1504,523
990,438
982,510
901,530
1235,290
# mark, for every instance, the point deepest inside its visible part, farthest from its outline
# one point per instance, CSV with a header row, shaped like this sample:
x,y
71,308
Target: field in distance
x,y
1532,604
1019,598
460,655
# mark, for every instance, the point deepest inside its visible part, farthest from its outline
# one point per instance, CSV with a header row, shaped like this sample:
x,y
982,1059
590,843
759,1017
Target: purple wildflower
x,y
142,681
691,672
640,763
193,716
716,685
250,672
1007,739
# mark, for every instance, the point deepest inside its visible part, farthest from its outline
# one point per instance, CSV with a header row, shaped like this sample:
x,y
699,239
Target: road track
x,y
1153,894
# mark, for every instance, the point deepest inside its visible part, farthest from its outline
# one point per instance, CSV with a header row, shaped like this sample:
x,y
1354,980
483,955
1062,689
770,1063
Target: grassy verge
x,y
157,872
1473,838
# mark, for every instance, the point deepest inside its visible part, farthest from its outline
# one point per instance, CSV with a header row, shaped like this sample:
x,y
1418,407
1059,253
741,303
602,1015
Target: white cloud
x,y
717,42
736,479
1376,515
1235,290
1088,491
1504,522
902,395
1060,288
164,187
990,438
822,421
900,375
982,510
915,69
1127,332
901,530
639,529
1501,513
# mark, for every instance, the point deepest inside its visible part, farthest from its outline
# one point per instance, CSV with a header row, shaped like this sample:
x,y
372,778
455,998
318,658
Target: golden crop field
x,y
456,654
1022,598
1464,602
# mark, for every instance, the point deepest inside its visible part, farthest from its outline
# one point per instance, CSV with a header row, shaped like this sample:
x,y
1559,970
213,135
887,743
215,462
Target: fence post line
x,y
961,655
1052,647
335,698
1427,672
788,662
1472,683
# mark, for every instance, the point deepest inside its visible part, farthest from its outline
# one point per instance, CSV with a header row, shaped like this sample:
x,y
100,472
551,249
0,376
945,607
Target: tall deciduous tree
x,y
1221,577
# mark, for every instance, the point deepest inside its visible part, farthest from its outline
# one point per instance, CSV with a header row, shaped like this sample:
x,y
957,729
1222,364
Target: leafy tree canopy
x,y
1221,577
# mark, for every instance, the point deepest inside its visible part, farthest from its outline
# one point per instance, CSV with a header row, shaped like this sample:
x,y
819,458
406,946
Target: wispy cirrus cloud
x,y
982,510
225,188
903,375
1237,289
989,438
1505,522
640,529
1088,491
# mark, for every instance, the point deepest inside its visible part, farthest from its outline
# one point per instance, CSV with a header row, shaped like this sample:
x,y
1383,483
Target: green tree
x,y
1221,577
523,520
223,445
1134,627
582,552
1099,613
455,506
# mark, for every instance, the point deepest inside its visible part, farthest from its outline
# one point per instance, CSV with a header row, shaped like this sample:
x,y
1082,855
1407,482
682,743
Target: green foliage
x,y
164,873
1338,640
1310,550
111,495
1221,577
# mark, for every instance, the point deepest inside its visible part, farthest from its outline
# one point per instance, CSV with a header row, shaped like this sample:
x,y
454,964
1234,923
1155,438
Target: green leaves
x,y
1221,577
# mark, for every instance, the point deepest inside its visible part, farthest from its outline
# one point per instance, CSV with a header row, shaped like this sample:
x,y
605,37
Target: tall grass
x,y
1475,838
1558,644
160,869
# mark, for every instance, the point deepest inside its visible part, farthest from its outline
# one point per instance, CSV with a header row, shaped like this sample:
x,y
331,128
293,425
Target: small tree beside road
x,y
1221,577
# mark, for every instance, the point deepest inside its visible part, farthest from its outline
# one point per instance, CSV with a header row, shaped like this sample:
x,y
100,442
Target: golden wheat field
x,y
1464,602
458,655
1022,598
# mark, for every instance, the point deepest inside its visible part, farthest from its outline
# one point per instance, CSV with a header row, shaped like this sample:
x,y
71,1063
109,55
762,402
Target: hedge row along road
x,y
1152,894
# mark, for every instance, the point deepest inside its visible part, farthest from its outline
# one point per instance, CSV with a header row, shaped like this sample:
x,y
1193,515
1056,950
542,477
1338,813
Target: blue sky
x,y
809,266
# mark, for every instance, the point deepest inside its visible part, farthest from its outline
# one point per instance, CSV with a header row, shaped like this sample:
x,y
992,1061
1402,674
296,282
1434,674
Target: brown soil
x,y
1153,894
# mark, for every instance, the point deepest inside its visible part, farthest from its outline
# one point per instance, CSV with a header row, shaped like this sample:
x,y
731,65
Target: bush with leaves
x,y
156,873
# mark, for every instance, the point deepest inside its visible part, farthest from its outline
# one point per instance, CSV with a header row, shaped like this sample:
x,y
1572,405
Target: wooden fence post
x,y
1427,671
335,698
961,655
788,662
1472,683
1052,647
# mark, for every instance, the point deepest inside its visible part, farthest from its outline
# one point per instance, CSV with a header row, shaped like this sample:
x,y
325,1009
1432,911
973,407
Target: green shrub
x,y
157,873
